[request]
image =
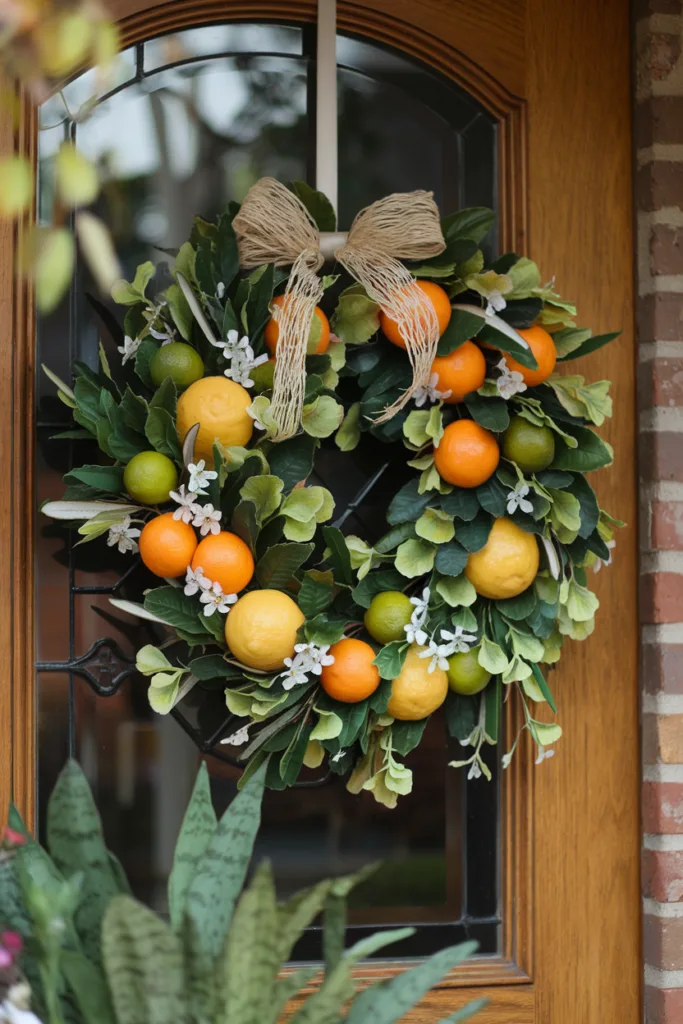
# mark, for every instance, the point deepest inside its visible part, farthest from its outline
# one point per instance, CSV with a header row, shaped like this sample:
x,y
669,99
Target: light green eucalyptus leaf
x,y
265,492
356,317
150,660
457,591
348,435
492,657
415,557
435,526
321,417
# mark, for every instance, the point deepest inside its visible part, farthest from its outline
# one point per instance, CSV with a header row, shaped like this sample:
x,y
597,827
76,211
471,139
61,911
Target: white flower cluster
x,y
131,345
210,592
206,518
517,499
455,641
415,634
510,382
430,392
307,658
122,535
240,355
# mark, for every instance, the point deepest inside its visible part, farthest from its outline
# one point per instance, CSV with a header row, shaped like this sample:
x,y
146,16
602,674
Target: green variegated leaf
x,y
196,832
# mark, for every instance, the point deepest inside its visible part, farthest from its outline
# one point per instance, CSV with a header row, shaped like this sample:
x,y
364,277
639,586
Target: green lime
x,y
179,361
387,615
262,376
465,674
150,477
531,447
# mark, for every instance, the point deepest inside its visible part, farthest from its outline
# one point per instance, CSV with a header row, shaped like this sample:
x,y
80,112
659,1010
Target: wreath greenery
x,y
264,493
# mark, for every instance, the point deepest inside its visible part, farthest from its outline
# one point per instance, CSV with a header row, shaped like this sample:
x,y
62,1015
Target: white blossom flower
x,y
220,292
165,336
10,1013
475,770
195,580
207,518
415,634
458,641
338,756
185,513
611,544
495,303
123,536
510,382
237,739
517,499
505,760
438,653
544,753
215,600
316,657
240,355
129,348
430,392
200,477
296,672
421,608
257,421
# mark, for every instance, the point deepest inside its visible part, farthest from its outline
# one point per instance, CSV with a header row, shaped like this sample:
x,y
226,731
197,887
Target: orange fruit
x,y
467,454
442,308
219,406
507,564
543,348
225,559
318,338
167,545
460,372
352,676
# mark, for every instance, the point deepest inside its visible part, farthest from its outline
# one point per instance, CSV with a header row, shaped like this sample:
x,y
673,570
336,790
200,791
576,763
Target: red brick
x,y
661,595
666,243
661,455
658,183
660,317
663,1005
663,875
663,813
663,942
661,668
660,382
659,55
667,525
659,119
662,739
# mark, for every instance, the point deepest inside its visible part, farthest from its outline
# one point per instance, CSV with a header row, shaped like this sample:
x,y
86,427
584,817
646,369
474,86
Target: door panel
x,y
569,845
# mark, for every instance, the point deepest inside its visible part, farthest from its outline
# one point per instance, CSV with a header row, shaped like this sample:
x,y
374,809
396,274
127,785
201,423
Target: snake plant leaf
x,y
387,1003
196,832
144,964
251,960
74,833
474,1006
221,870
334,930
297,914
88,987
287,987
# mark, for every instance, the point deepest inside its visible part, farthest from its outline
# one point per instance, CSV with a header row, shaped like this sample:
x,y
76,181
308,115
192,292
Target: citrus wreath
x,y
332,646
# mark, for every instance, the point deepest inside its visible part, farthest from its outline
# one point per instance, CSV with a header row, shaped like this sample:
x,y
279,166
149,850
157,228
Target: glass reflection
x,y
188,135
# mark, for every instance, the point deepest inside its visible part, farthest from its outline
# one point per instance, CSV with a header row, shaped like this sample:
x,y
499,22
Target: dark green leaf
x,y
405,736
521,313
334,930
395,536
590,510
473,535
258,305
108,479
133,411
474,223
379,700
88,986
592,345
339,557
143,357
323,630
462,327
279,564
292,460
491,413
314,596
492,497
244,523
461,503
543,687
517,608
407,505
492,703
375,583
461,715
162,434
227,255
213,666
451,558
171,605
592,452
318,205
554,478
292,760
501,341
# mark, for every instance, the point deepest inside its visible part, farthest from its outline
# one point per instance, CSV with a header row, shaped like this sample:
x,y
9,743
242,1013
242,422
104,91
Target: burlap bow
x,y
273,226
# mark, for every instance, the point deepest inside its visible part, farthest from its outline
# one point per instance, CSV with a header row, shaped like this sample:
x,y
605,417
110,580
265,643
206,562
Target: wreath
x,y
240,377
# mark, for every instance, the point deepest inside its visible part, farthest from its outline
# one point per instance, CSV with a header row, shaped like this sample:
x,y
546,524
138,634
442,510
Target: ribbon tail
x,y
303,293
391,285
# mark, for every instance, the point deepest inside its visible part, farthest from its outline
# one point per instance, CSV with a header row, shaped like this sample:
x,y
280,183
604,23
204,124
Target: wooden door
x,y
555,78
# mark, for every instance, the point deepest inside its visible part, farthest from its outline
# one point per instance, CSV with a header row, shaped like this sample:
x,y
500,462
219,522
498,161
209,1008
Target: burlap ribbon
x,y
273,226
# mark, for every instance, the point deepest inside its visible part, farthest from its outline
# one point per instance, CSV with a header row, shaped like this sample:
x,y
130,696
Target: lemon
x,y
531,447
387,615
465,674
506,565
150,477
416,692
219,406
182,363
260,630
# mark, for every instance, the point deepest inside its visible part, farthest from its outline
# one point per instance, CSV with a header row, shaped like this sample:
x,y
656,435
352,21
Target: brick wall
x,y
659,206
